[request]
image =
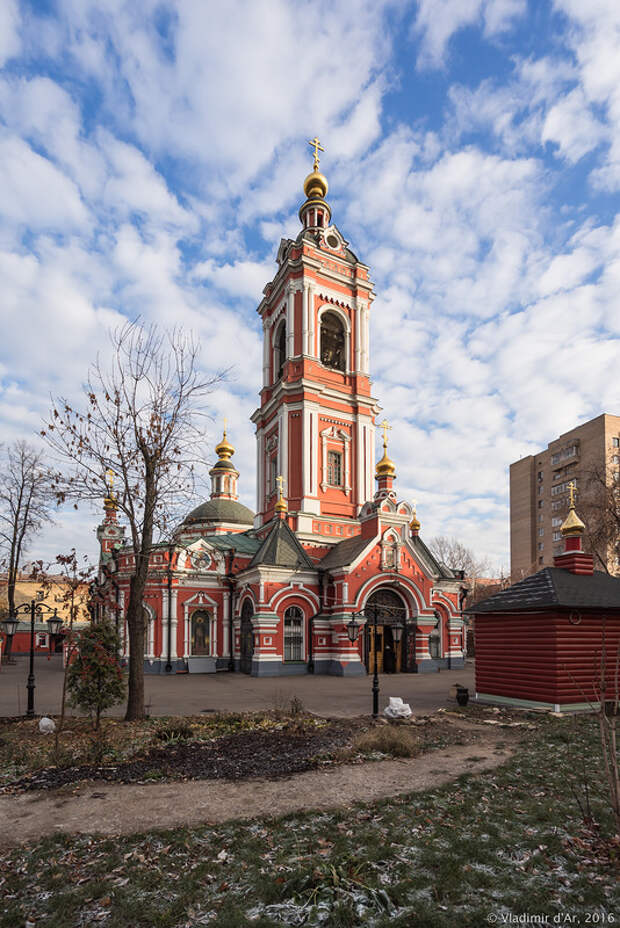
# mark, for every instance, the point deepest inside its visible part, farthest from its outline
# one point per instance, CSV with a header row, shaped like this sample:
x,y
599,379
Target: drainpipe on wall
x,y
230,579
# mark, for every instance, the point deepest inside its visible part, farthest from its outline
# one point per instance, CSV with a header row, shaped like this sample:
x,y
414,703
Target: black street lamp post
x,y
9,627
353,630
36,607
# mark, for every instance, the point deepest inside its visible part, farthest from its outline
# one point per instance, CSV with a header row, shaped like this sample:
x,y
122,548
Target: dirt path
x,y
111,809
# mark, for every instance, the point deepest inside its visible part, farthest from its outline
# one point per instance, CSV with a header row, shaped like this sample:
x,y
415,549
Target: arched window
x,y
293,634
201,632
280,351
333,352
434,644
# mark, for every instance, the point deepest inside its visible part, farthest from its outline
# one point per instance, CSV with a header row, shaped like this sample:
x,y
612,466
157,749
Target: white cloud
x,y
438,20
35,192
10,43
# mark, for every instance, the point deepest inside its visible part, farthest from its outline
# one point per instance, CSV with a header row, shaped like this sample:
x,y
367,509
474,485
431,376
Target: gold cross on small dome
x,y
280,481
314,143
385,426
571,494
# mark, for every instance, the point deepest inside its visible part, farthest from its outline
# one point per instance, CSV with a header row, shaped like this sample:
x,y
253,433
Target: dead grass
x,y
392,740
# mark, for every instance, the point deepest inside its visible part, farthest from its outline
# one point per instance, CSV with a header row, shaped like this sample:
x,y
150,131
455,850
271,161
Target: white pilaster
x,y
365,358
304,339
311,317
290,323
358,326
283,448
260,472
266,352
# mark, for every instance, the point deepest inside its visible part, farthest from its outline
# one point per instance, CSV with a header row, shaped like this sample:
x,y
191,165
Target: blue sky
x,y
153,155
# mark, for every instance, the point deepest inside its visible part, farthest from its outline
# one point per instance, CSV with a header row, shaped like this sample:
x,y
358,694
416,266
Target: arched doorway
x,y
392,656
246,638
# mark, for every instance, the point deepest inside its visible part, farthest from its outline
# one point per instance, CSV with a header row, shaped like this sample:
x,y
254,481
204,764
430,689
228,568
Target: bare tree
x,y
457,556
599,508
140,421
26,503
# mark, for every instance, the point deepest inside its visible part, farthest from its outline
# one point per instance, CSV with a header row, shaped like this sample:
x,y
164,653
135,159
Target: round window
x,y
332,240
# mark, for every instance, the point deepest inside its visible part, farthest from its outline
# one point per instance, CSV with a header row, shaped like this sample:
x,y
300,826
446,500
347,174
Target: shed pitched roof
x,y
555,587
281,548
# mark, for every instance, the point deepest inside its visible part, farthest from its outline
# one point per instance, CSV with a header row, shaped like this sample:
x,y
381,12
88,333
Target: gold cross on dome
x,y
225,424
110,480
571,494
385,427
314,143
280,481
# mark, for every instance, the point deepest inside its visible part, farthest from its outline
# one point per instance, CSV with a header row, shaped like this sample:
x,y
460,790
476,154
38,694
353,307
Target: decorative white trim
x,y
201,599
307,595
416,606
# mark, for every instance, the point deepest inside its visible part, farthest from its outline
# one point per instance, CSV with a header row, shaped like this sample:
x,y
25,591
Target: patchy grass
x,y
504,843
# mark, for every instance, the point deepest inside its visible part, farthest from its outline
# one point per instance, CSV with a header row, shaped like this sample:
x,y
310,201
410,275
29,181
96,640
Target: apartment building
x,y
539,491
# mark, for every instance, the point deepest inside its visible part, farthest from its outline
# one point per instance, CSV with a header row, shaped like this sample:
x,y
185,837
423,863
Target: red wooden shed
x,y
546,640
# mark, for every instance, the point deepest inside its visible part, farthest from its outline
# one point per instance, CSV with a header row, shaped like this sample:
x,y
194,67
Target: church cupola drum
x,y
315,423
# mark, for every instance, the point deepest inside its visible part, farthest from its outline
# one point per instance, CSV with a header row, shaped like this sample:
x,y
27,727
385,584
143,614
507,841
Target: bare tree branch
x,y
26,504
142,419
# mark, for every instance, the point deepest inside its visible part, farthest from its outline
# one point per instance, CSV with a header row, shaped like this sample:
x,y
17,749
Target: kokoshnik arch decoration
x,y
272,592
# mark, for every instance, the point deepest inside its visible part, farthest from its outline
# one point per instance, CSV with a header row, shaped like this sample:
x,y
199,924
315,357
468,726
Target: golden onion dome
x,y
224,449
414,525
385,467
316,186
572,524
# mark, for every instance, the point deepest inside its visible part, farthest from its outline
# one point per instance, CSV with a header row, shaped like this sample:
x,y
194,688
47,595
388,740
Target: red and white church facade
x,y
272,593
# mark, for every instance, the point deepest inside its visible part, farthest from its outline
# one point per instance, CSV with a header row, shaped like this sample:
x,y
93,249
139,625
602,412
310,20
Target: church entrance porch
x,y
393,648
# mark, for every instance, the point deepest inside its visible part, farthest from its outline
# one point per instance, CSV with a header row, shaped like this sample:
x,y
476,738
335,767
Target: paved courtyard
x,y
191,694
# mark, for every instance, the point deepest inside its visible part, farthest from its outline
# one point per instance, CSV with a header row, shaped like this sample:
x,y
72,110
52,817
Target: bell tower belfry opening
x,y
315,423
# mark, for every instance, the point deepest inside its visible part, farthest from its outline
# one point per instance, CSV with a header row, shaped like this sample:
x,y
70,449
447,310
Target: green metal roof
x,y
220,510
242,542
281,548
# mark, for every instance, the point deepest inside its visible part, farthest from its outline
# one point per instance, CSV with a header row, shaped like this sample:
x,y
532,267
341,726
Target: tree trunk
x,y
135,625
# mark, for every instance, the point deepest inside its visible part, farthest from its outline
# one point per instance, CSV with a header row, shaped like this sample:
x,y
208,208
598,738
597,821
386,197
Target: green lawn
x,y
507,842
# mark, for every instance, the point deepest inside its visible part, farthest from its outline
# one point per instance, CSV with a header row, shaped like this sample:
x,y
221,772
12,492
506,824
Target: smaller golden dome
x,y
224,449
572,524
386,467
281,505
316,186
414,525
